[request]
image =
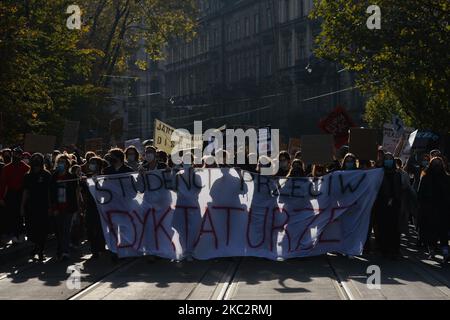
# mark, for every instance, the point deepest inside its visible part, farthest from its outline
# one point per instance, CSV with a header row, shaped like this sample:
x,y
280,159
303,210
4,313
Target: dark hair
x,y
284,154
348,155
132,148
293,164
117,153
90,154
298,155
162,155
399,162
40,157
65,158
150,148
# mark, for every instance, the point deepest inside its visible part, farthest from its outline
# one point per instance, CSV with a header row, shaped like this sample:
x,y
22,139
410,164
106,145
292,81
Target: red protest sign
x,y
338,124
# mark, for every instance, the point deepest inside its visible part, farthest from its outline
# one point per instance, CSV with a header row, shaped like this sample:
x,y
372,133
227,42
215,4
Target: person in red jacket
x,y
11,189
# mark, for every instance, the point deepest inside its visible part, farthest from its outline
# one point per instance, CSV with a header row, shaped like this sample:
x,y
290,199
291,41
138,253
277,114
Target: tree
x,y
42,70
408,57
49,73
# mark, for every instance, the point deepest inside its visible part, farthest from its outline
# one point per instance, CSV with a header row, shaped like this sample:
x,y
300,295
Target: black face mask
x,y
36,164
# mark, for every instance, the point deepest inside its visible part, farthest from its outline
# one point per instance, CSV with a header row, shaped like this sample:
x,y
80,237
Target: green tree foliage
x,y
49,73
408,57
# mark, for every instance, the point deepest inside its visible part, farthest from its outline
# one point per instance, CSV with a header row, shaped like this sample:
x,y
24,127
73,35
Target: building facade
x,y
252,64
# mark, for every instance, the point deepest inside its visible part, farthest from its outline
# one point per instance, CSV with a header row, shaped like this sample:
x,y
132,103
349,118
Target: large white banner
x,y
208,213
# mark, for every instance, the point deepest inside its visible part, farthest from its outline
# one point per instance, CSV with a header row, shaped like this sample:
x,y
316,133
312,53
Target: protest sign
x,y
135,142
70,135
163,139
363,143
264,141
39,143
391,139
338,124
317,149
209,213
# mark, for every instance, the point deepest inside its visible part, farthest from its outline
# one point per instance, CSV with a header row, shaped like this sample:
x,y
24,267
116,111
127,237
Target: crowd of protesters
x,y
43,195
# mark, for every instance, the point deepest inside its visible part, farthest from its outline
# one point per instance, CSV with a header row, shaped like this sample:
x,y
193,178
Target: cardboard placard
x,y
70,135
135,142
363,143
39,143
317,149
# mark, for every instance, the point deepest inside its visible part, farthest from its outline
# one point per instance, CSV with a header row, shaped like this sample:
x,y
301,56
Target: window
x,y
301,47
238,30
256,23
269,18
301,8
287,54
247,26
230,33
286,10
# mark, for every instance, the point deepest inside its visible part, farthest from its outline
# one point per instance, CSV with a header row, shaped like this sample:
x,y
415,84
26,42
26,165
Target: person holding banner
x,y
36,204
93,222
434,207
11,189
387,210
64,199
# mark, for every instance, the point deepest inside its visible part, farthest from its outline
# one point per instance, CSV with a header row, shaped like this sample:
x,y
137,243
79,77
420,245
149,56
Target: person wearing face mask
x,y
64,199
296,170
150,163
132,158
11,189
284,160
434,207
349,162
387,210
35,204
87,157
117,163
93,222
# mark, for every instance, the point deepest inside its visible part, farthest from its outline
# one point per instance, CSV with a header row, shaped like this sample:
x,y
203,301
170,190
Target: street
x,y
330,277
